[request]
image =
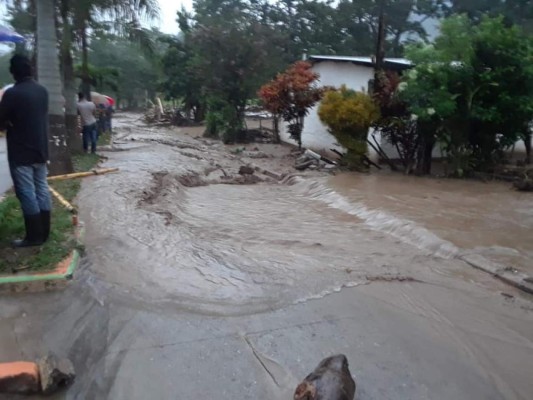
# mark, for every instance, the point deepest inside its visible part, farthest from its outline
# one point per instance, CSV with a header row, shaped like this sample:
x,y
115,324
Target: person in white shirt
x,y
87,110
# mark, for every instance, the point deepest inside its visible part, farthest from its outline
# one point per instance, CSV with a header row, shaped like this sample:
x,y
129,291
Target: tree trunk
x,y
86,84
277,138
69,85
300,130
50,78
425,156
380,50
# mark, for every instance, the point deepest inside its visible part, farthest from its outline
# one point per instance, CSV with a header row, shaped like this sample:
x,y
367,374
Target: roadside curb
x,y
508,275
47,375
39,282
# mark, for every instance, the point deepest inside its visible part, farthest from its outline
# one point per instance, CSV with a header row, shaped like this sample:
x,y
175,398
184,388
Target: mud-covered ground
x,y
199,282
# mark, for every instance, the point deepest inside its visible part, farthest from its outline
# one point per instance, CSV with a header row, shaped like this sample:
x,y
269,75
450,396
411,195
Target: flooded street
x,y
198,284
447,217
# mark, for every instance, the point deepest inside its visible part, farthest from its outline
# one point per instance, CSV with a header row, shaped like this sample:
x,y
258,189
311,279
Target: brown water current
x,y
168,221
444,216
170,232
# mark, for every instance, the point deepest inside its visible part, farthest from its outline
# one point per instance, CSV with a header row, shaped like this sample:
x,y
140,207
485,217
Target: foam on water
x,y
379,220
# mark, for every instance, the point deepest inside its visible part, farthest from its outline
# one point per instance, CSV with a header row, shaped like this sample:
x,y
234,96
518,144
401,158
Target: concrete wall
x,y
315,134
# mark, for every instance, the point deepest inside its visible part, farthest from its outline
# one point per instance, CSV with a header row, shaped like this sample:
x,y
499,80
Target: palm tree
x,y
76,18
49,76
69,84
125,13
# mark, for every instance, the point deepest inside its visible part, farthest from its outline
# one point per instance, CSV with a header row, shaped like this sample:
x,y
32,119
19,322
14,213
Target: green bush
x,y
223,121
348,115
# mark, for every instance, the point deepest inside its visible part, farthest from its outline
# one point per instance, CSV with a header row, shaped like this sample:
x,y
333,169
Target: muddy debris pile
x,y
524,183
169,116
311,160
163,185
166,184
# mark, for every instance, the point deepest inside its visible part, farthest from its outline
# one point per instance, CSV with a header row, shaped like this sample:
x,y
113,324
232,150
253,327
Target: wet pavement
x,y
195,288
5,178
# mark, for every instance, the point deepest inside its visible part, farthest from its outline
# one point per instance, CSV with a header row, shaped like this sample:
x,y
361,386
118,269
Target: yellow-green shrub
x,y
348,115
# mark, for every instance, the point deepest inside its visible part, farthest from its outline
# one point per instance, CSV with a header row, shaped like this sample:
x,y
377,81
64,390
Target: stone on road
x,y
56,373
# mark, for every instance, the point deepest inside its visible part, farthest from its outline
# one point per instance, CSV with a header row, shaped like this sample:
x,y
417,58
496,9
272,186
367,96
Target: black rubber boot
x,y
45,220
34,232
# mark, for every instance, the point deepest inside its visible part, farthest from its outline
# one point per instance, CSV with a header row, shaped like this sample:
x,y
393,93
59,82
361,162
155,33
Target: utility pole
x,y
380,49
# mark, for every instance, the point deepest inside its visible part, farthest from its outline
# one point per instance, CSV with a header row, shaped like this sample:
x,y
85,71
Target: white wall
x,y
315,135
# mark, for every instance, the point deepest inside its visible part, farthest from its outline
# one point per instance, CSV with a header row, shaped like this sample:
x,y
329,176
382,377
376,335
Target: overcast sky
x,y
167,21
168,13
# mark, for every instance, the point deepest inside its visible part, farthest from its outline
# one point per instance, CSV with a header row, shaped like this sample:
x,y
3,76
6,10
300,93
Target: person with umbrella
x,y
7,35
87,111
109,114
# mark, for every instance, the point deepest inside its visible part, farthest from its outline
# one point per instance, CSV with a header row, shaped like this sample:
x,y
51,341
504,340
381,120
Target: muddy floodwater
x,y
171,220
446,217
198,282
229,248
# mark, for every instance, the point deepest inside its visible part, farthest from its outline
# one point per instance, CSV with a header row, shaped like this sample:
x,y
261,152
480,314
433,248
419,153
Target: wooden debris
x,y
63,201
82,174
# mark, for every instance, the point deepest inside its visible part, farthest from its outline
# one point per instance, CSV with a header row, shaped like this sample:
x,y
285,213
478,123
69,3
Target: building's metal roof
x,y
400,63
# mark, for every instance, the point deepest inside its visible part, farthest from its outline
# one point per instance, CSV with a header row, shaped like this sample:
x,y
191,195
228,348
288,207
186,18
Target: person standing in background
x,y
109,115
87,110
24,112
101,116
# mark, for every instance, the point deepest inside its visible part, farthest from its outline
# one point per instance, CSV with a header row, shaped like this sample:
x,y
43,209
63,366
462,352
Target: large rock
x,y
331,380
56,373
19,377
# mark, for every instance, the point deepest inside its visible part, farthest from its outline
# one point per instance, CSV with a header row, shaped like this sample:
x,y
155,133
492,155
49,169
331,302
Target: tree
x,y
69,85
125,15
120,68
77,18
395,123
403,20
519,12
472,90
49,77
349,115
180,78
224,53
291,95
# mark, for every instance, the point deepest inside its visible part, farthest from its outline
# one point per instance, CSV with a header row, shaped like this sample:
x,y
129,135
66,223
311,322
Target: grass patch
x,y
61,241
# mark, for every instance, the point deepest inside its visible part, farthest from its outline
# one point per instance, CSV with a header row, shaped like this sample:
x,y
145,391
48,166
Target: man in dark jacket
x,y
24,112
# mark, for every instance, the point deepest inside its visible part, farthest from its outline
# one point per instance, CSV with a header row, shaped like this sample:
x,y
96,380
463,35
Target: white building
x,y
354,72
